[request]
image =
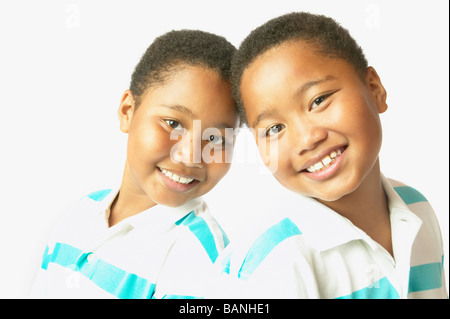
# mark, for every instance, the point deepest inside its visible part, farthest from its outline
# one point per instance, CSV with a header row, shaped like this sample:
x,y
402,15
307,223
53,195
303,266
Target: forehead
x,y
290,59
285,67
198,89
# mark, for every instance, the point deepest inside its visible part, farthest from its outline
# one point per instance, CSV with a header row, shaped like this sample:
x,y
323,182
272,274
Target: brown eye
x,y
275,129
174,124
320,100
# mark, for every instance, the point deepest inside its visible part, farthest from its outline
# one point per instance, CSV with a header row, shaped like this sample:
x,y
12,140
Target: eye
x,y
216,139
275,129
174,124
319,100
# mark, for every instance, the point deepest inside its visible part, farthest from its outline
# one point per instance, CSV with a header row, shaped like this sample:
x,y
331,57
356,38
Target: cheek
x,y
269,151
264,151
148,144
360,112
277,157
216,153
364,126
215,172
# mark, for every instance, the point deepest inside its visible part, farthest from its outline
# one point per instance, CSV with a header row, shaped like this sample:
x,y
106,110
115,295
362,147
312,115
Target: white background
x,y
65,64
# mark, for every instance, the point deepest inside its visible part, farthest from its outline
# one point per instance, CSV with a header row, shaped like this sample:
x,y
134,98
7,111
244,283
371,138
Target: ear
x,y
377,89
126,110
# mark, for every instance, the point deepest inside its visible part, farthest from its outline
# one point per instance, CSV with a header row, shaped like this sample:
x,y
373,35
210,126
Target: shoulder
x,y
86,207
274,243
92,199
413,199
201,227
95,201
99,195
276,263
418,204
408,194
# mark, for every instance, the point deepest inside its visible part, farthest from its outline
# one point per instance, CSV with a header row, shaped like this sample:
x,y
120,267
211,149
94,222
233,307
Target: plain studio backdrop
x,y
65,64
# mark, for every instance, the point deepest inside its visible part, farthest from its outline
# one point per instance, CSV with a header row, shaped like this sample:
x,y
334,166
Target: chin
x,y
166,199
173,202
337,193
328,197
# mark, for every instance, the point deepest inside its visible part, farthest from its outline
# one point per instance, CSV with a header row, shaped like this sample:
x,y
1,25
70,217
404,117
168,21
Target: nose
x,y
309,136
188,150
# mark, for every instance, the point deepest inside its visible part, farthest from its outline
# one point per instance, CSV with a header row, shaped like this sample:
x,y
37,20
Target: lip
x,y
330,170
175,186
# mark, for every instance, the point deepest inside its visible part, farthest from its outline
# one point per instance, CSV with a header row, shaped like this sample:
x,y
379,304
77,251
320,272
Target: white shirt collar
x,y
323,228
160,215
154,217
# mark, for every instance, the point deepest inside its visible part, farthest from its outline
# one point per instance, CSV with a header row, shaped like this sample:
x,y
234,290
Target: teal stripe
x,y
99,195
265,244
200,229
410,195
381,289
120,283
226,263
62,254
45,259
108,277
425,277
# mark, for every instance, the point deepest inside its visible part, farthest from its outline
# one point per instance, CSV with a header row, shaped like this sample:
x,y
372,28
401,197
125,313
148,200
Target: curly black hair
x,y
177,47
324,34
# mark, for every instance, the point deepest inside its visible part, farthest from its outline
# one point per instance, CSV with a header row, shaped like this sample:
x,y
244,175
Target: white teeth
x,y
184,180
318,166
176,178
325,162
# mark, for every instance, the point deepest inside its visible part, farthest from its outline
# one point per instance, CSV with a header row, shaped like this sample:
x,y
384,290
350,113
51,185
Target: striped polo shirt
x,y
162,252
306,250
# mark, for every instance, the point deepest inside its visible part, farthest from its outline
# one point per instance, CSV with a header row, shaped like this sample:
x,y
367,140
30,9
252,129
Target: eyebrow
x,y
305,87
179,108
268,113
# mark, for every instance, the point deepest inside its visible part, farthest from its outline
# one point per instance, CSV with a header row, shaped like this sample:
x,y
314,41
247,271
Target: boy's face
x,y
323,117
170,156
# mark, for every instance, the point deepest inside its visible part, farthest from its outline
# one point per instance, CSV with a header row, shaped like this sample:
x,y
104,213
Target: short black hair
x,y
177,47
324,34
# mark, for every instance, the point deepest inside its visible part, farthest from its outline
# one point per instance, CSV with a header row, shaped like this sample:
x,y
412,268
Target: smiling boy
x,y
303,83
153,237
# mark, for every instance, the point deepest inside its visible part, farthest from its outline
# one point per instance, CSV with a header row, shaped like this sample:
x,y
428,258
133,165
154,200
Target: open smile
x,y
326,166
177,182
176,178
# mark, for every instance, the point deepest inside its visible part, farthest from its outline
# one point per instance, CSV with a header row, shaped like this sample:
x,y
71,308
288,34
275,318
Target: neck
x,y
130,201
367,208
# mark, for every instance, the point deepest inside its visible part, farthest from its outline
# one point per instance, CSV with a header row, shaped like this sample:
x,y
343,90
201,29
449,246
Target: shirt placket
x,y
88,261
